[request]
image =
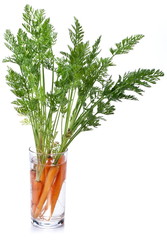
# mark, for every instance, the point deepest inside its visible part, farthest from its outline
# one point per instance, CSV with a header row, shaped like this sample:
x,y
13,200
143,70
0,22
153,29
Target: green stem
x,y
70,95
52,79
62,116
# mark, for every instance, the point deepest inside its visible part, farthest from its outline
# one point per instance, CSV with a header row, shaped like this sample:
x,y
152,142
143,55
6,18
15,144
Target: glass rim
x,y
51,154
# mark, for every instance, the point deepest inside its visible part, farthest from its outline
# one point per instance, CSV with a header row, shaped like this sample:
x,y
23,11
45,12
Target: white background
x,y
117,174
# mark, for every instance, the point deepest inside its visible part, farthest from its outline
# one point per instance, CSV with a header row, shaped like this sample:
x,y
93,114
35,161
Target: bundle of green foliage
x,y
81,90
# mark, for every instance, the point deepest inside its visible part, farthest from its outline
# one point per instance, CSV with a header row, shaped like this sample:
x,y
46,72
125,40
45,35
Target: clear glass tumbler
x,y
47,175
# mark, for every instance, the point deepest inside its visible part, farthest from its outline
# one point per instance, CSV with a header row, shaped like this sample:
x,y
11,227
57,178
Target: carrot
x,y
49,195
37,186
42,178
48,165
56,187
36,190
46,169
32,176
47,185
48,200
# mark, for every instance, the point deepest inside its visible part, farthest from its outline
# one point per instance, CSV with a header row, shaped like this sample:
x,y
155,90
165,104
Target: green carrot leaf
x,y
126,45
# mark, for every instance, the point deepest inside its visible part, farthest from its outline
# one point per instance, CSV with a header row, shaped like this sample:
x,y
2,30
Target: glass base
x,y
59,222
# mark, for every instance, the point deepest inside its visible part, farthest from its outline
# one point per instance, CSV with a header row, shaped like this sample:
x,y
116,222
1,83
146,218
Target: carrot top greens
x,y
81,90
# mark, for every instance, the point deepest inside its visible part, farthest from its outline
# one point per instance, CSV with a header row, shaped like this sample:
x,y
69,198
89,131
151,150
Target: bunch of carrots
x,y
46,191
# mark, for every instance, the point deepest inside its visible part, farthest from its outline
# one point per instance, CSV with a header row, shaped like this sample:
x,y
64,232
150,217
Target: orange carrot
x,y
42,178
50,194
46,169
56,187
37,186
36,190
47,166
32,176
47,185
